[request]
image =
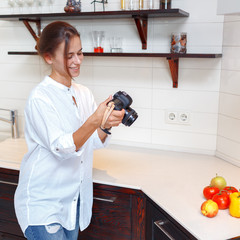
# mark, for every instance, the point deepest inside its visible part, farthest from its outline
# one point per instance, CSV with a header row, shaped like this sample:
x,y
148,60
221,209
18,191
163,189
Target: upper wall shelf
x,y
174,12
140,17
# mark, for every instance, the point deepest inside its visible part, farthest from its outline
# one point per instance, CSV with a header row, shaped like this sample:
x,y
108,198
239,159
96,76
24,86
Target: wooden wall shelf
x,y
173,59
141,20
107,54
174,12
140,17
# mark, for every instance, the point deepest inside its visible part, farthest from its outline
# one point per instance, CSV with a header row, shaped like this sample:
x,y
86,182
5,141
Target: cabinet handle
x,y
112,199
9,183
160,224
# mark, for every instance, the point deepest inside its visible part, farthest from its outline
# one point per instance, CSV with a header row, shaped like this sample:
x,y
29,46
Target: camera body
x,y
121,101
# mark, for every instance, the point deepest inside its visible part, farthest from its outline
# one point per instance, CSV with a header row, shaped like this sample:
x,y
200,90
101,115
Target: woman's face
x,y
74,59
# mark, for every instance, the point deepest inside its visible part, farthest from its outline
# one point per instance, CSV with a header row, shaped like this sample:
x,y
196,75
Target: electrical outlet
x,y
177,117
184,117
171,116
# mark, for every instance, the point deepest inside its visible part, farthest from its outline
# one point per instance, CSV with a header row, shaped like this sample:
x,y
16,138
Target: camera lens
x,y
129,117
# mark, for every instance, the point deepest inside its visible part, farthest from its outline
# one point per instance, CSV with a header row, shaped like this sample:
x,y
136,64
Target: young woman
x,y
62,128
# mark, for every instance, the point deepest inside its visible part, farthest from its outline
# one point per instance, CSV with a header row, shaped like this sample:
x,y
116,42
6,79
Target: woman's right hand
x,y
92,123
99,113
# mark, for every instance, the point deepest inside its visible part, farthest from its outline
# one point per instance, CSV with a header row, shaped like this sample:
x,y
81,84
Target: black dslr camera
x,y
123,101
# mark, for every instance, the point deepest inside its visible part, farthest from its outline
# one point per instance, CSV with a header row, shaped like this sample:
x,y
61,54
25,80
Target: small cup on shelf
x,y
98,41
116,44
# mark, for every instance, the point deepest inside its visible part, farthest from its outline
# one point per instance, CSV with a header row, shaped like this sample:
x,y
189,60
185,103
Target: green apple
x,y
218,182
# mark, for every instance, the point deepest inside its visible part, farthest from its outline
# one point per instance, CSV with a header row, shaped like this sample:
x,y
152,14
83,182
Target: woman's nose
x,y
77,59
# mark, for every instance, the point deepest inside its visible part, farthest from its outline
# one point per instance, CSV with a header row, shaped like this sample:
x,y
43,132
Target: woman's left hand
x,y
115,118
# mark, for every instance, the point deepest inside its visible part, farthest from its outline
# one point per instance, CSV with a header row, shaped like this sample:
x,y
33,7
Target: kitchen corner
x,y
179,61
173,180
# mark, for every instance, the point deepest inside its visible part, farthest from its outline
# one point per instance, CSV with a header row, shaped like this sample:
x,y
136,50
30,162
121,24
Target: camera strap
x,y
107,113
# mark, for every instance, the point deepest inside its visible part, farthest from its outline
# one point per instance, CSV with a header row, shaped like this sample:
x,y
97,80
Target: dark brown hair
x,y
53,35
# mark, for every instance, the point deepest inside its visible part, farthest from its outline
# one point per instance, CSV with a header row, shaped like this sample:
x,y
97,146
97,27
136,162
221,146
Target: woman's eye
x,y
79,53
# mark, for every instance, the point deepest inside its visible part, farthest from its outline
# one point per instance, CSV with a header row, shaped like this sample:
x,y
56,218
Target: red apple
x,y
209,208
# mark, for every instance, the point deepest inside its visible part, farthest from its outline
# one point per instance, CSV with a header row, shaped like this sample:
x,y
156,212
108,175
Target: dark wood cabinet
x,y
161,226
118,213
9,228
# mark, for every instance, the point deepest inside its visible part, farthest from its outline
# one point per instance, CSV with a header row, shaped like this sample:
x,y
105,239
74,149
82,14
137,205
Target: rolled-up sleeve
x,y
97,143
48,131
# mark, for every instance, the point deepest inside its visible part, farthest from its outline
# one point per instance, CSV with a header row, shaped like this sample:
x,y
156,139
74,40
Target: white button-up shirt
x,y
53,174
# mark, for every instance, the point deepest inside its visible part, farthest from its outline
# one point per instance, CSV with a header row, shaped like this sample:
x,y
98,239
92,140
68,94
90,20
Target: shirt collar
x,y
51,81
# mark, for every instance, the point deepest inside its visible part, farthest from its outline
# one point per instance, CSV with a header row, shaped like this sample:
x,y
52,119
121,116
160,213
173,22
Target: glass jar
x,y
165,4
179,42
131,4
73,6
150,4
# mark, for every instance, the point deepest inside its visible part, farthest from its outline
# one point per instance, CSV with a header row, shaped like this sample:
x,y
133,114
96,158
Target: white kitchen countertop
x,y
173,180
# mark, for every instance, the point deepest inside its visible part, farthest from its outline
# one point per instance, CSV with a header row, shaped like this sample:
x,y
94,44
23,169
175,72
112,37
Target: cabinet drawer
x,y
111,198
111,217
161,226
165,230
9,175
8,220
6,236
7,211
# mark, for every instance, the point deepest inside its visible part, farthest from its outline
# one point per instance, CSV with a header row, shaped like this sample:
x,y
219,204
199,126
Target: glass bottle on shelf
x,y
131,4
141,4
150,4
123,4
165,4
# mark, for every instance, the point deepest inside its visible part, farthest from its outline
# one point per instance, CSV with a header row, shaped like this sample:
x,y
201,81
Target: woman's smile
x,y
74,71
75,68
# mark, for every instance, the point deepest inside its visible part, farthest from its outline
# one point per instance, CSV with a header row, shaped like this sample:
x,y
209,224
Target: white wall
x,y
147,80
228,143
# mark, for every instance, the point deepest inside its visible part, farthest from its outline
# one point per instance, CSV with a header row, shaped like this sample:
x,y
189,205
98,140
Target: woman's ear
x,y
48,58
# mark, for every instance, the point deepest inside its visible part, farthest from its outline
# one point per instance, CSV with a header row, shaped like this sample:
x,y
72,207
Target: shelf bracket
x,y
142,24
173,65
30,29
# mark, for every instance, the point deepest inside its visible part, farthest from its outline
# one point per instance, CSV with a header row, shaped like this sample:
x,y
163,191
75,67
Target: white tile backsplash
x,y
228,105
123,76
231,60
185,140
229,127
228,150
230,82
228,143
146,80
198,101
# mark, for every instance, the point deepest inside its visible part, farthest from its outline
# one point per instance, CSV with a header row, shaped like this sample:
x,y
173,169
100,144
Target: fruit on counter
x,y
218,182
210,191
234,207
209,208
230,189
222,199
